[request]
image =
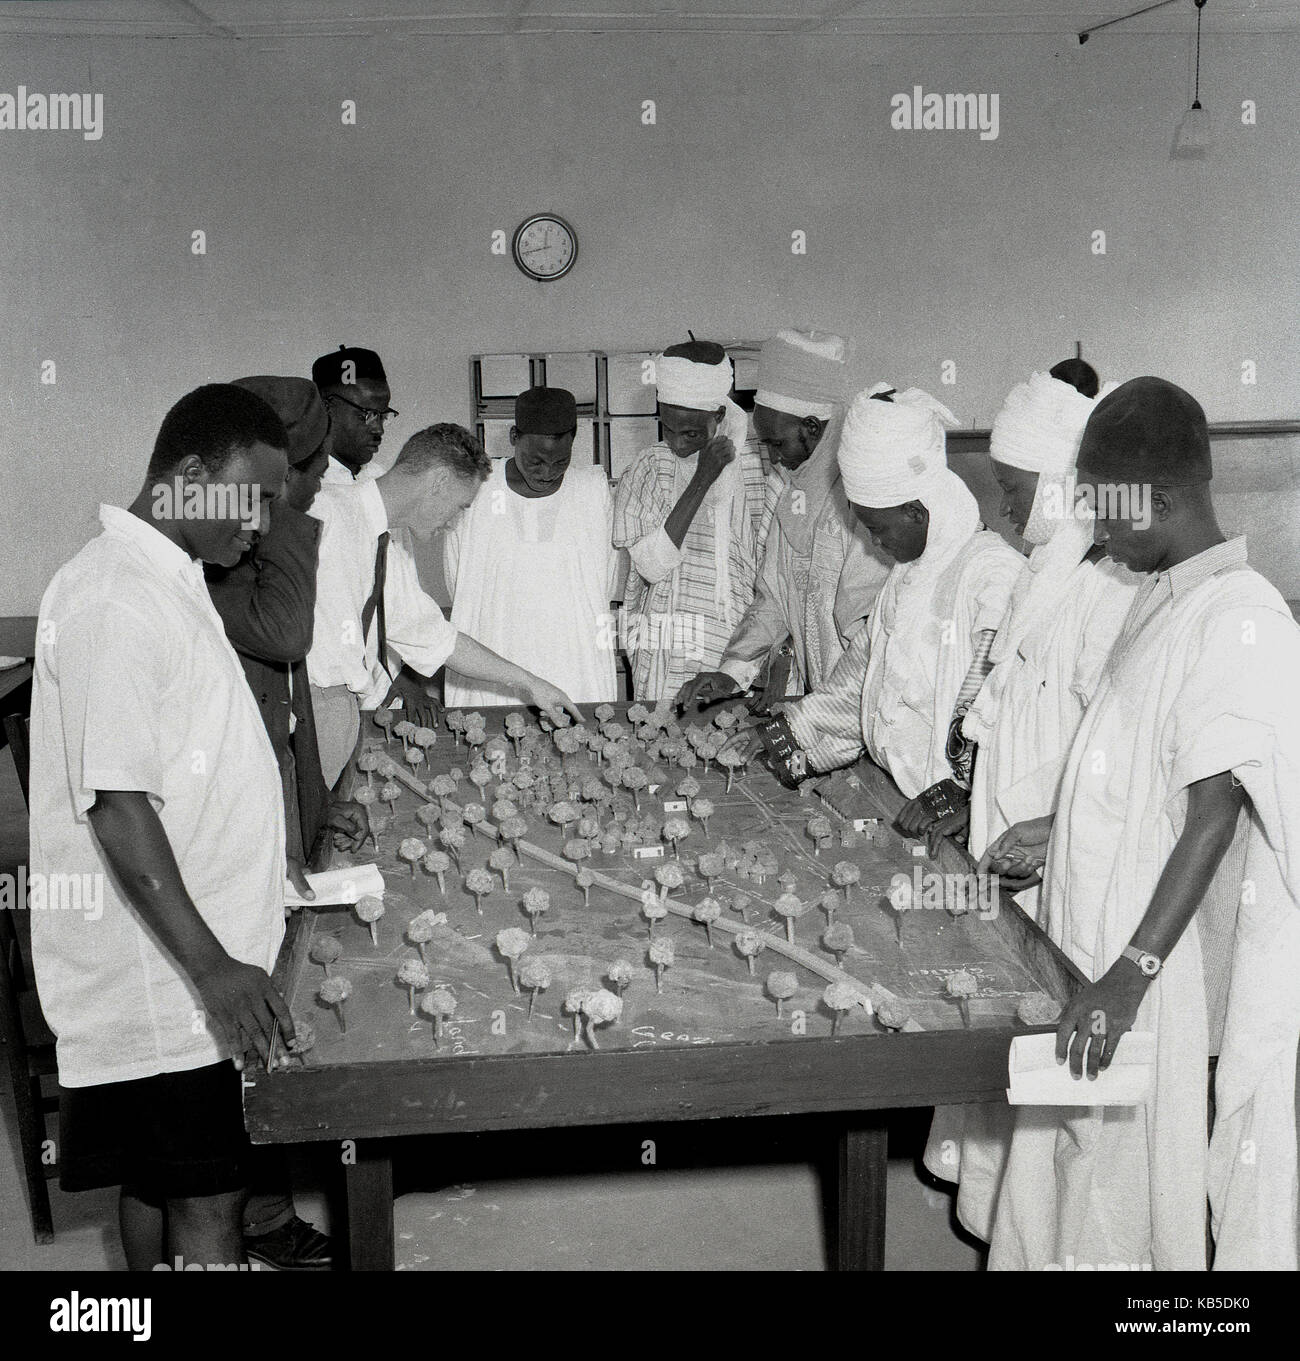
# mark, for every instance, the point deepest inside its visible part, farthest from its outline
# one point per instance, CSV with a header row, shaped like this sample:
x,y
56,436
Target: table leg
x,y
863,1165
369,1184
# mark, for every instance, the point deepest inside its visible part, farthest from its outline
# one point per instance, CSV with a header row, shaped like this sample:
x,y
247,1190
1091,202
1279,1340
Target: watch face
x,y
1149,965
545,246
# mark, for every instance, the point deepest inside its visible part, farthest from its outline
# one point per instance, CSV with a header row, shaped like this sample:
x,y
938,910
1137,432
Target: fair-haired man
x,y
372,614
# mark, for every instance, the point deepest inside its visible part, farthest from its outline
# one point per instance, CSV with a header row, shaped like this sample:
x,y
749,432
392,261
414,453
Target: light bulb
x,y
1192,139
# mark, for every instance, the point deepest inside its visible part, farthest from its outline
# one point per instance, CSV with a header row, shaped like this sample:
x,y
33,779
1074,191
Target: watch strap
x,y
1149,964
781,753
944,798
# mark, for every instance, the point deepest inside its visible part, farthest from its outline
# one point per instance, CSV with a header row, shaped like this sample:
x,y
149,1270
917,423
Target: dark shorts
x,y
173,1136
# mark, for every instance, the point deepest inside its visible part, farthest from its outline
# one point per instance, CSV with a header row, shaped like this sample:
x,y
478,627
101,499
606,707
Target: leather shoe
x,y
297,1246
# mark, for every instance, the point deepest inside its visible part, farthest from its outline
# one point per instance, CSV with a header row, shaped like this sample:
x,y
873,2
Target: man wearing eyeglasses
x,y
355,388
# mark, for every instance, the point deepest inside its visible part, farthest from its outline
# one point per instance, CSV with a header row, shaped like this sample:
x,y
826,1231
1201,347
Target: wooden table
x,y
709,1047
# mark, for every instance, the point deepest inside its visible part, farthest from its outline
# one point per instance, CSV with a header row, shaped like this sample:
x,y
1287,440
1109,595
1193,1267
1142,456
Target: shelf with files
x,y
614,390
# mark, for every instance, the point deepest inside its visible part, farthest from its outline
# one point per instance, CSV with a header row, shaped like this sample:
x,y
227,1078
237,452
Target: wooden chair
x,y
28,1043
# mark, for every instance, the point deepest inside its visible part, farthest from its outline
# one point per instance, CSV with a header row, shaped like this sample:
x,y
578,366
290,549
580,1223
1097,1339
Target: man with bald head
x,y
1171,880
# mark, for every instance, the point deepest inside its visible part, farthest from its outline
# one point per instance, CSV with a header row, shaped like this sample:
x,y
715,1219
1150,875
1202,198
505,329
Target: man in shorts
x,y
155,790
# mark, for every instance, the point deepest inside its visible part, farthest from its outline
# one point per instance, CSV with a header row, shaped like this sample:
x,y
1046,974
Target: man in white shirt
x,y
372,614
155,787
354,386
1171,881
531,563
1067,608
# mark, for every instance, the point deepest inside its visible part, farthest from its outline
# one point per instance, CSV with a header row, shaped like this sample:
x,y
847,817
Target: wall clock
x,y
545,246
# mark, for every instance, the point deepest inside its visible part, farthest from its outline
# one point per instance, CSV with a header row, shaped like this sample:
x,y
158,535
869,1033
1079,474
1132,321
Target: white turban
x,y
802,373
1039,430
698,387
1040,425
893,452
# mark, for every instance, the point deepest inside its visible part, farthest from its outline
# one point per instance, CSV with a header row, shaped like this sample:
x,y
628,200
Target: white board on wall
x,y
1256,491
584,445
628,394
576,372
496,438
627,438
503,375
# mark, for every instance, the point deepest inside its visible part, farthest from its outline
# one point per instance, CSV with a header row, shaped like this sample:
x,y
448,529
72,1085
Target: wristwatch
x,y
943,798
782,755
1148,963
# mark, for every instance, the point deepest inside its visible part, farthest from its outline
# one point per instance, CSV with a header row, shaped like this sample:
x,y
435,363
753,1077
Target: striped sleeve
x,y
637,511
827,723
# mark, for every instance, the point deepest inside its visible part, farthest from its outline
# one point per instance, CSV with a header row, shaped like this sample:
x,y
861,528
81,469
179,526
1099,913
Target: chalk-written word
x,y
647,1034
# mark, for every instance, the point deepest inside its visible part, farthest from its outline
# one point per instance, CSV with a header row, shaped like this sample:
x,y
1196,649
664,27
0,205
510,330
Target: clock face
x,y
545,246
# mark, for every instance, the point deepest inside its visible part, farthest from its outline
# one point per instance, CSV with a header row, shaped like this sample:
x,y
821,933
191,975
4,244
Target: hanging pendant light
x,y
1192,137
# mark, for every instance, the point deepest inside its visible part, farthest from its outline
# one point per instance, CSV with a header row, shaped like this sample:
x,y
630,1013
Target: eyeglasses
x,y
368,413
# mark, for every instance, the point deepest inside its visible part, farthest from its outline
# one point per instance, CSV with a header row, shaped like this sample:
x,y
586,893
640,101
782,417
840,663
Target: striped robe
x,y
674,630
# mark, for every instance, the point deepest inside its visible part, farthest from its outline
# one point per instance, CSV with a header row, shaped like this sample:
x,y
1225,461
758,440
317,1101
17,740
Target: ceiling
x,y
251,19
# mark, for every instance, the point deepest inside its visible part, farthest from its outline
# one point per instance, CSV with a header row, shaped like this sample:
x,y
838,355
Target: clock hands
x,y
550,239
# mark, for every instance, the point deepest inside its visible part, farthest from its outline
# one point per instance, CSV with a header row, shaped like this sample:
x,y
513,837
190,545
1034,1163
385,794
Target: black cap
x,y
327,371
1150,431
697,351
545,411
1079,374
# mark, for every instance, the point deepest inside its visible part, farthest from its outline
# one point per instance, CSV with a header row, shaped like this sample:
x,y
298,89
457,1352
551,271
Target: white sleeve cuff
x,y
655,556
743,673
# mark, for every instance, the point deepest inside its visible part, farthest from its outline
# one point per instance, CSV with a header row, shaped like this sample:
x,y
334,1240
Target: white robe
x,y
1202,680
895,688
531,579
1024,720
1029,709
921,648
